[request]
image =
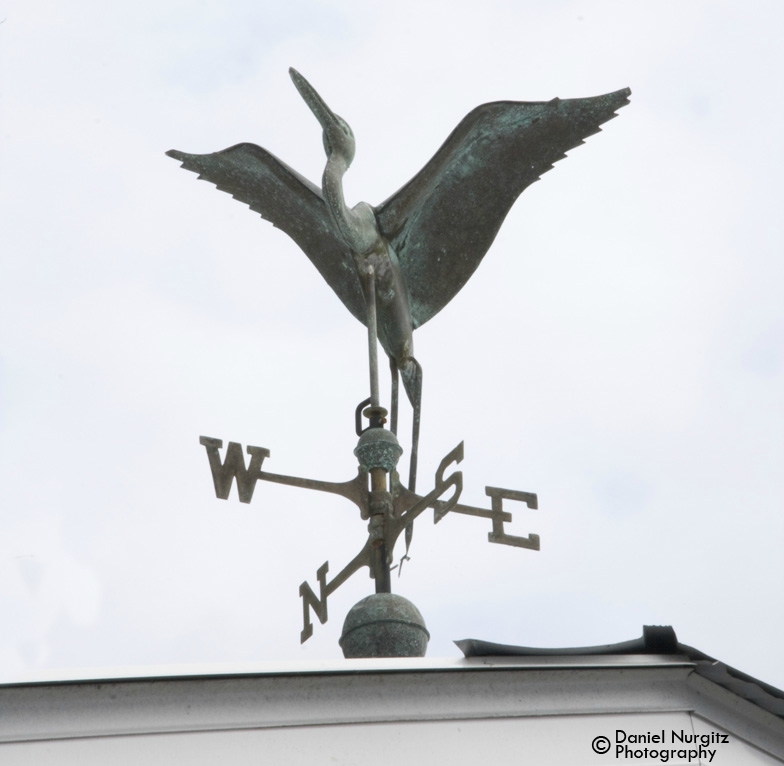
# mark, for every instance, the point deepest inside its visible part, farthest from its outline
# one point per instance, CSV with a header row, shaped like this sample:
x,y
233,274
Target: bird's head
x,y
338,137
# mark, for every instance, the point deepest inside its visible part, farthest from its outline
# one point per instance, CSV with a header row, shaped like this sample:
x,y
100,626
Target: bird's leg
x,y
412,379
411,372
370,277
395,391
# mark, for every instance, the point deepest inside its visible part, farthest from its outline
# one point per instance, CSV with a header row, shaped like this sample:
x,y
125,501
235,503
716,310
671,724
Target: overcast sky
x,y
620,350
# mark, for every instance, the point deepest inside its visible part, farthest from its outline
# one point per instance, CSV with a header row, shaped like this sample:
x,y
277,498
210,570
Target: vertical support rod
x,y
372,336
378,484
380,499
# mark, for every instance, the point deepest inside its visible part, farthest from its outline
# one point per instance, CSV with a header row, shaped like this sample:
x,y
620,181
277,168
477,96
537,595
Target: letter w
x,y
234,467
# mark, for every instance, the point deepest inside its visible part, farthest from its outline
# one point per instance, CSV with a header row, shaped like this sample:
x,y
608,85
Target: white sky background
x,y
619,350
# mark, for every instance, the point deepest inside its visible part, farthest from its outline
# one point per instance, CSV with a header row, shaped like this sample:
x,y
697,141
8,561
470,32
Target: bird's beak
x,y
323,113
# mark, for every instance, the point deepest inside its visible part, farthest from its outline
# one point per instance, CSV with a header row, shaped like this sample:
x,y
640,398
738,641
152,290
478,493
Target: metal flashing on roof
x,y
334,667
656,639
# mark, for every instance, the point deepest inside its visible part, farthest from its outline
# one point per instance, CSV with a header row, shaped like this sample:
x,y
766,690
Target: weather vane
x,y
394,267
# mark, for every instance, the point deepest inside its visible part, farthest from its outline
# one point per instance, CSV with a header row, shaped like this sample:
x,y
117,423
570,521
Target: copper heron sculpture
x,y
410,255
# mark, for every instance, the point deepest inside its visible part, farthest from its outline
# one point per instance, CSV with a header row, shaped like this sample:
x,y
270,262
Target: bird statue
x,y
423,243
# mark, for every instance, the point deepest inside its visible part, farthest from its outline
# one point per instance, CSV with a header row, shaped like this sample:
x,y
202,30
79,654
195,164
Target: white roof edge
x,y
333,667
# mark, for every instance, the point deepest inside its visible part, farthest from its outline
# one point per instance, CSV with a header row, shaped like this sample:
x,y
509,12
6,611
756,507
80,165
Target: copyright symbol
x,y
600,745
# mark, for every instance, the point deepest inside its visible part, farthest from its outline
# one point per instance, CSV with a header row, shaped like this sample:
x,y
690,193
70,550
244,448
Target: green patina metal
x,y
384,625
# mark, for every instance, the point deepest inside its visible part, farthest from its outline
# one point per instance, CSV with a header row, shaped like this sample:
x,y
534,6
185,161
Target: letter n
x,y
311,601
234,467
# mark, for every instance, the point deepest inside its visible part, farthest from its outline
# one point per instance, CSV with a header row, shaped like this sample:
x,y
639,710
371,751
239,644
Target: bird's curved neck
x,y
359,234
332,185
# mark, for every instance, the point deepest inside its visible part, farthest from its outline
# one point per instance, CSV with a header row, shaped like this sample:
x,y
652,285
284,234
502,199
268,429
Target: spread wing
x,y
286,199
442,222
